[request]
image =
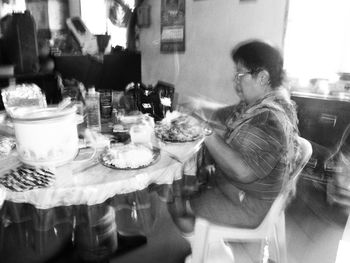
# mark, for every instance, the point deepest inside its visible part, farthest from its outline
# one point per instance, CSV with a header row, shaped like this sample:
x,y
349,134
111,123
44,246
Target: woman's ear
x,y
264,78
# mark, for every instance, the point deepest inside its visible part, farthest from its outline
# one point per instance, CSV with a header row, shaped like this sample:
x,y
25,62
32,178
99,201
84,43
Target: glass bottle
x,y
93,115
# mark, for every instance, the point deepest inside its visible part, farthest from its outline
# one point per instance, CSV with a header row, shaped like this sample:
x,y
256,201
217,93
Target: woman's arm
x,y
252,152
220,115
229,160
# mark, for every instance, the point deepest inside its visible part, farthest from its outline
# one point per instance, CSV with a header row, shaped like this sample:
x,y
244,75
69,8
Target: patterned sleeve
x,y
261,143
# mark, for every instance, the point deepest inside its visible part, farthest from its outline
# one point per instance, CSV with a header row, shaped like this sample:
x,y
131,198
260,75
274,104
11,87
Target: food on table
x,y
120,133
22,96
6,125
128,156
119,128
3,117
131,119
181,128
135,118
6,145
27,178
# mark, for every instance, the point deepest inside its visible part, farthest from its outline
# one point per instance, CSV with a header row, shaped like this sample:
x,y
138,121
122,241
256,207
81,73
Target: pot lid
x,y
35,114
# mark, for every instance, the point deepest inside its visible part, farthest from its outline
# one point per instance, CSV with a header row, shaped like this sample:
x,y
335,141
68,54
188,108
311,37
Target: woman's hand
x,y
214,128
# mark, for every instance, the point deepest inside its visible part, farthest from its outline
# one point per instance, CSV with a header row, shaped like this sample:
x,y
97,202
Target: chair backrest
x,y
338,150
207,232
342,140
304,157
289,189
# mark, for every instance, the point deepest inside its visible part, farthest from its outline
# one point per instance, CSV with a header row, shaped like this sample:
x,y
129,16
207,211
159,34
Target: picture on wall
x,y
172,26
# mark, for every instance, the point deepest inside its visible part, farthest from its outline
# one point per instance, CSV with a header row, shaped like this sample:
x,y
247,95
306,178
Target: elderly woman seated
x,y
256,149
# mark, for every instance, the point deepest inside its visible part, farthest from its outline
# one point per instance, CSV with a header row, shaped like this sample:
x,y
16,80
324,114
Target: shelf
x,y
310,95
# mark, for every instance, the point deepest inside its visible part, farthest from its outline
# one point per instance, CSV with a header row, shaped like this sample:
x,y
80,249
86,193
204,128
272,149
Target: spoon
x,y
64,104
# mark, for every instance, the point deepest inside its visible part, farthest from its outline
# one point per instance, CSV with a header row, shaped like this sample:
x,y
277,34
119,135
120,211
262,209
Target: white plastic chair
x,y
272,228
2,196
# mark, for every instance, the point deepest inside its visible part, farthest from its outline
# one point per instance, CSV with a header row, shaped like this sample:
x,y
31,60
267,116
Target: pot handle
x,y
79,118
90,155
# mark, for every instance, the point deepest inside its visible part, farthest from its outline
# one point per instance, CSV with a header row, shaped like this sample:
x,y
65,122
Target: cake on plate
x,y
128,156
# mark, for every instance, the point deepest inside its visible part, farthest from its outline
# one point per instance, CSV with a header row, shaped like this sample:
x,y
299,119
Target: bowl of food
x,y
180,128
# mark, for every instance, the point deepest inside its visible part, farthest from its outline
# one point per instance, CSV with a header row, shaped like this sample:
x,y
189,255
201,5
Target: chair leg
x,y
219,252
180,216
200,242
269,248
264,250
280,236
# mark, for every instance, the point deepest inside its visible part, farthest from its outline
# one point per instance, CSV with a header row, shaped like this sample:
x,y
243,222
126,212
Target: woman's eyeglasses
x,y
239,76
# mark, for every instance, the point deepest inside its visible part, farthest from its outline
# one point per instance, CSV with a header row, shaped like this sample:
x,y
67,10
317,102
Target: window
x,y
93,13
317,42
9,6
96,15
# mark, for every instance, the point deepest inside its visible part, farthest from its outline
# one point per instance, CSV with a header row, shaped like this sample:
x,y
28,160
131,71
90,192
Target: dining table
x,y
89,206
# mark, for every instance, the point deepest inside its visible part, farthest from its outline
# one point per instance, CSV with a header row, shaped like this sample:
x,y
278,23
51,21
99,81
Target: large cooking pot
x,y
47,137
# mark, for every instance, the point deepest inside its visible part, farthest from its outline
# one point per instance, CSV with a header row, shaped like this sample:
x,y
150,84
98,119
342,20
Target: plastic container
x,y
141,133
93,114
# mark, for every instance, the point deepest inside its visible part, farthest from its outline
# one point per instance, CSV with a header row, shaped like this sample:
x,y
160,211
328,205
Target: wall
x,y
74,8
49,16
213,27
58,13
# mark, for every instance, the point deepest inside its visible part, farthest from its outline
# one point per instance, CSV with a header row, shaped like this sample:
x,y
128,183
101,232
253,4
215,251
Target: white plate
x,y
156,154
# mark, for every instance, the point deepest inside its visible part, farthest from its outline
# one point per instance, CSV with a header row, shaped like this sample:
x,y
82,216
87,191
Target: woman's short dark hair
x,y
257,56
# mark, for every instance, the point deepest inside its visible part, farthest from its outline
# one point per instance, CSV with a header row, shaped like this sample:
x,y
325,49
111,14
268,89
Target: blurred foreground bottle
x,y
93,115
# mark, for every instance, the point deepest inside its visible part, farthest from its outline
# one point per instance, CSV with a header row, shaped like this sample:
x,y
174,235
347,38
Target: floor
x,y
165,245
314,229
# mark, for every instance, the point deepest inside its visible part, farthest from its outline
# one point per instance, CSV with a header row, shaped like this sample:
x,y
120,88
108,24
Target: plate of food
x,y
129,156
182,128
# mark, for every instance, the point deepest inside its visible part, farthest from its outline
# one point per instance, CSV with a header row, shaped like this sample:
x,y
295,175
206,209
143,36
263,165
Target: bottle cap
x,y
91,90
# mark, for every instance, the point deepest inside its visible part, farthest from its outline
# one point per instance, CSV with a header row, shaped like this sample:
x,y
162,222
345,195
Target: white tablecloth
x,y
98,183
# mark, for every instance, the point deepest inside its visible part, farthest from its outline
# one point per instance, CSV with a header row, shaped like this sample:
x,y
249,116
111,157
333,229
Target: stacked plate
x,y
26,178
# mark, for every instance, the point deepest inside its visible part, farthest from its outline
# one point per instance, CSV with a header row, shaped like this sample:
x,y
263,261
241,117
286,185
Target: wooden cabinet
x,y
322,119
114,72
